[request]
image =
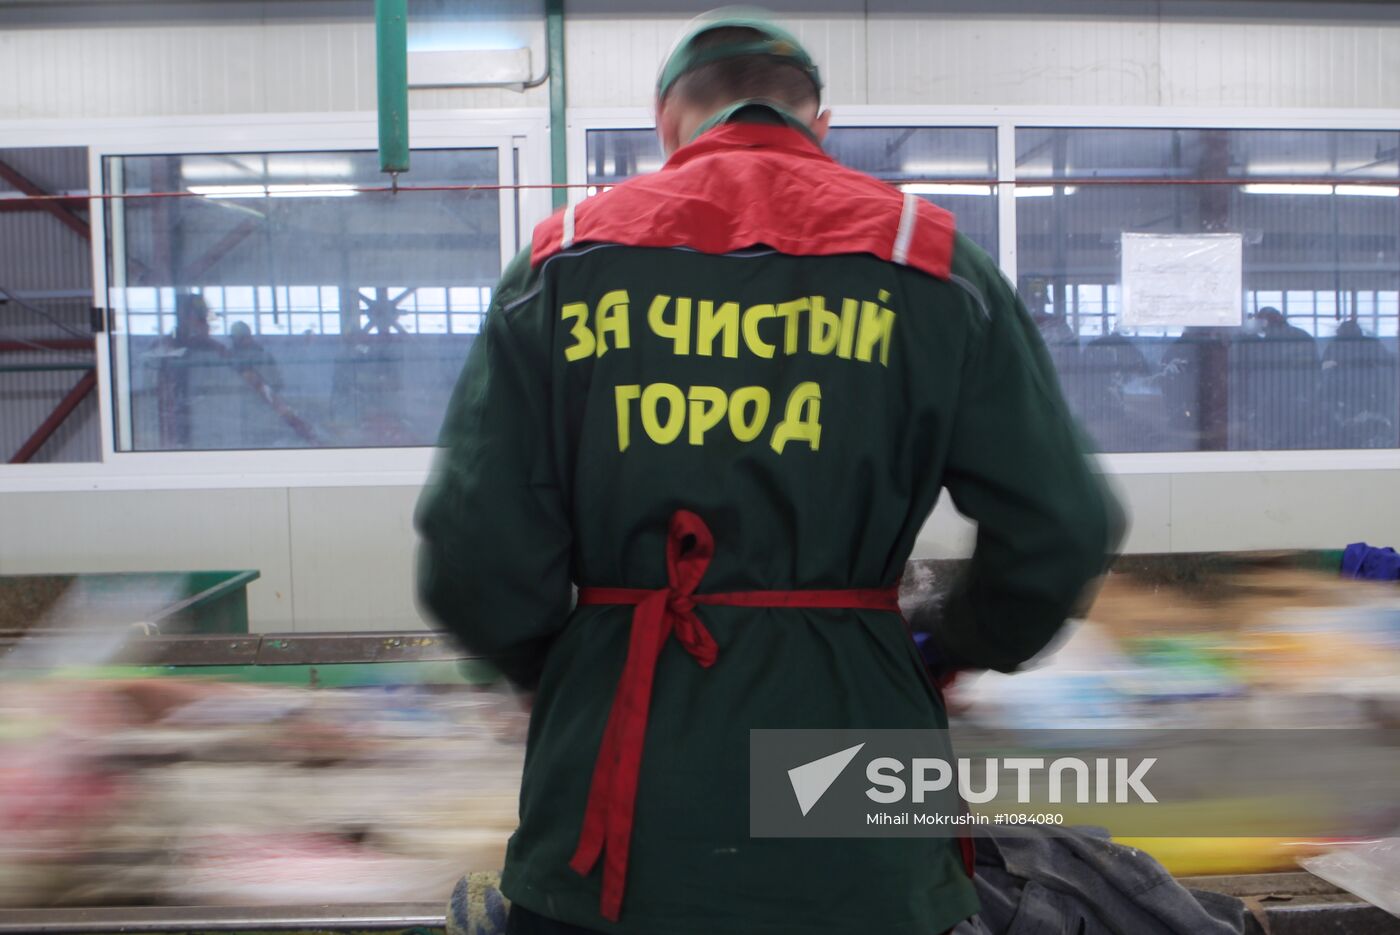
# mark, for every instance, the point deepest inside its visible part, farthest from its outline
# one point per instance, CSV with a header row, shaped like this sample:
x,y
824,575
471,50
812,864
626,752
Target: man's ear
x,y
822,125
668,125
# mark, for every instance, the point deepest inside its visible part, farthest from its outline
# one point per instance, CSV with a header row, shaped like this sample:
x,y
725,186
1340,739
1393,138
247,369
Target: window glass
x,y
274,304
48,398
1312,363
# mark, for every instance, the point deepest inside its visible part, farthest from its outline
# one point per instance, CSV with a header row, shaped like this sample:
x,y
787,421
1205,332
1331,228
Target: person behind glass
x,y
257,388
252,359
1358,386
1278,369
185,360
1065,353
192,331
1188,388
1110,364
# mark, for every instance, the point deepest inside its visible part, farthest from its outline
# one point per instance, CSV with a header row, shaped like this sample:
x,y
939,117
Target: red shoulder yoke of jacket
x,y
744,185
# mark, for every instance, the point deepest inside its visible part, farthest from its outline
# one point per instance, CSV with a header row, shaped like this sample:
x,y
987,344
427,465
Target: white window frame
x,y
521,134
1006,120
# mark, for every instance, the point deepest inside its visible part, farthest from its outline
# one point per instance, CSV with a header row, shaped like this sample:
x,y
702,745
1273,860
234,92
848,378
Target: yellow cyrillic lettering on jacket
x,y
707,404
713,323
747,428
663,434
792,311
677,332
624,395
583,336
876,326
753,316
613,319
849,307
802,418
824,328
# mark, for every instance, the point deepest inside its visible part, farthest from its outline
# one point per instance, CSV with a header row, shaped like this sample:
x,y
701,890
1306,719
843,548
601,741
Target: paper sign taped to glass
x,y
1182,280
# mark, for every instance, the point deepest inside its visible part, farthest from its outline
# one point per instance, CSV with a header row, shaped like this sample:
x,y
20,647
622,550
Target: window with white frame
x,y
1310,361
286,300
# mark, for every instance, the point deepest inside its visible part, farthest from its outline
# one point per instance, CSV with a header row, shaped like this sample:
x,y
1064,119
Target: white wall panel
x,y
962,54
1213,56
608,66
229,58
342,558
614,50
1283,510
1147,500
353,558
225,66
157,530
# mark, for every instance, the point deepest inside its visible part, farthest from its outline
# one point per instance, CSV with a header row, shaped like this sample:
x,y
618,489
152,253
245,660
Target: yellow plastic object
x,y
1189,857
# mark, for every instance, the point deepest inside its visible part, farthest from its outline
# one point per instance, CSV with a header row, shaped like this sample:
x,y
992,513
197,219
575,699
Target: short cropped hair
x,y
721,82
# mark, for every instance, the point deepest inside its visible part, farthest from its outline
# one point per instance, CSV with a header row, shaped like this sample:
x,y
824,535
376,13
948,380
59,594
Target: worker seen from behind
x,y
722,400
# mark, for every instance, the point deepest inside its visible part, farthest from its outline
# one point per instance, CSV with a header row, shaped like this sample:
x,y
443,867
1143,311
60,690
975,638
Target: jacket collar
x,y
738,135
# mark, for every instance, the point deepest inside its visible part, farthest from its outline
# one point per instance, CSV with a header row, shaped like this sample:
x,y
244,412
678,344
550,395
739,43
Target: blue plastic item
x,y
1370,563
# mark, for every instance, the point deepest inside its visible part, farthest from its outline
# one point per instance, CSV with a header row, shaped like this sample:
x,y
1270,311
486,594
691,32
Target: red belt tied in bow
x,y
607,824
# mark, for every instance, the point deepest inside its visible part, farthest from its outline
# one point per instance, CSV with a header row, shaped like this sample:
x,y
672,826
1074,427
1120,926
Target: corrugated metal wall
x,y
1015,52
231,56
45,265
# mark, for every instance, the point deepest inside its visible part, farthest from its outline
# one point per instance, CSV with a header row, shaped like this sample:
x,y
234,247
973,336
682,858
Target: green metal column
x,y
391,51
558,147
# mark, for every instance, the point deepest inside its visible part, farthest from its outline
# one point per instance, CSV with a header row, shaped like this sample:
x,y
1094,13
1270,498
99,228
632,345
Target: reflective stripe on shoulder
x,y
567,240
905,236
976,294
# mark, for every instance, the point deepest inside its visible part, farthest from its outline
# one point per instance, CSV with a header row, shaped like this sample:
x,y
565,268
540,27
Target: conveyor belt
x,y
404,918
1294,904
1301,904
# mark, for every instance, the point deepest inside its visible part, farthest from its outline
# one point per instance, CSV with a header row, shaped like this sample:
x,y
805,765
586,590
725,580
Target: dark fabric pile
x,y
1078,882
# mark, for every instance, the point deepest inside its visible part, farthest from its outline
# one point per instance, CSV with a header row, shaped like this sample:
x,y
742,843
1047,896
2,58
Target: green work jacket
x,y
809,405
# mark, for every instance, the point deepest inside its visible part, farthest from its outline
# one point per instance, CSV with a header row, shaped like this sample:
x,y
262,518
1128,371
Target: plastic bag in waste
x,y
1369,869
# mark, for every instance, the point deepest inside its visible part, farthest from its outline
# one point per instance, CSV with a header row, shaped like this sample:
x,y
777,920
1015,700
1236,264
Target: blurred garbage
x,y
202,792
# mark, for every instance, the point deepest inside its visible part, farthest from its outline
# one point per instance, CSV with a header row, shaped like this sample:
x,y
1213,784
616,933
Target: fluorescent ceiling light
x,y
1373,191
325,190
229,191
232,169
311,191
296,165
1286,188
946,168
219,168
1041,191
942,188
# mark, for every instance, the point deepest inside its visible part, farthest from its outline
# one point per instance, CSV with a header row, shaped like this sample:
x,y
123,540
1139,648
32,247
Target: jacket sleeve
x,y
495,539
1046,523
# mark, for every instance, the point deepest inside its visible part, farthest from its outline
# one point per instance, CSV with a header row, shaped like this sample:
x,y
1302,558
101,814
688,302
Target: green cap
x,y
774,42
